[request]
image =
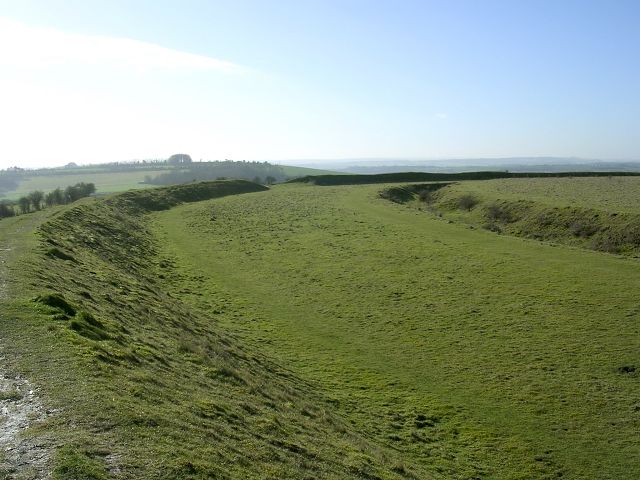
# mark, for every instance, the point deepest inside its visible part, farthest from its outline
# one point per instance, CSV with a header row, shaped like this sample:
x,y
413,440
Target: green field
x,y
106,182
293,171
325,332
504,344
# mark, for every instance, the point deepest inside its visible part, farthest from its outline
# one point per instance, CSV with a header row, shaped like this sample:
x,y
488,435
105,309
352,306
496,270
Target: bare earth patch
x,y
22,456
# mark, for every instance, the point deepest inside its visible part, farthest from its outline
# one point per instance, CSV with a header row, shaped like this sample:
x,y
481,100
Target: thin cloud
x,y
26,46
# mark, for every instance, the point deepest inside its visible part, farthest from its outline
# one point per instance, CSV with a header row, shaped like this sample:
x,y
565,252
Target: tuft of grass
x,y
10,395
88,326
77,463
55,252
57,302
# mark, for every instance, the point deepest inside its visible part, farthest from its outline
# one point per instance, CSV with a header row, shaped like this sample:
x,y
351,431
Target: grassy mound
x,y
145,386
594,213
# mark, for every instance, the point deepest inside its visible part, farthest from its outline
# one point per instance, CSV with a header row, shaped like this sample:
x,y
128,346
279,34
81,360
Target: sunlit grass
x,y
472,353
318,332
142,385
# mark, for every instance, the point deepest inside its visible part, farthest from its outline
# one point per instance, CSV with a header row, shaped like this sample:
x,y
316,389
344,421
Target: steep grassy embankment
x,y
475,355
595,213
139,385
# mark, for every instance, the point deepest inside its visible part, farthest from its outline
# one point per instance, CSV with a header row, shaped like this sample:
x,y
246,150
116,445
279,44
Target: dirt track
x,y
21,456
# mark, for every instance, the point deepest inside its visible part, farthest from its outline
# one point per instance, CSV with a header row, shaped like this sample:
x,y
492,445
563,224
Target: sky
x,y
91,81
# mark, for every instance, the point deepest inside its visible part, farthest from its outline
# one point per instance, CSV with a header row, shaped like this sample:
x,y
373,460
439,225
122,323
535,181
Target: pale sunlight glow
x,y
24,46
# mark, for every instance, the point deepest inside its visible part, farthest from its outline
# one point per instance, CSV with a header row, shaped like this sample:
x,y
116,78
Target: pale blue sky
x,y
94,81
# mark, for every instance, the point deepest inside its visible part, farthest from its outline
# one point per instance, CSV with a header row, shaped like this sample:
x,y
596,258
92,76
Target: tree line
x,y
259,172
37,200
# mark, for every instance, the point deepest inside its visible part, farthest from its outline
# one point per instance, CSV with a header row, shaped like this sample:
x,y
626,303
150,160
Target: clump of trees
x,y
179,158
78,191
214,170
6,209
37,200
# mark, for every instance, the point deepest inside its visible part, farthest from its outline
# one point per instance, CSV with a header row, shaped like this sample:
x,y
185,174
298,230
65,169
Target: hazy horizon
x,y
96,82
346,163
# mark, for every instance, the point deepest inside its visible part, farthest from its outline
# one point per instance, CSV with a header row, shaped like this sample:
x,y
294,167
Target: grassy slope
x,y
474,354
597,213
611,194
144,386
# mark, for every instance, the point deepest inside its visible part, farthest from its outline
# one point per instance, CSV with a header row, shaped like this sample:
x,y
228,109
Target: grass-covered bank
x,y
141,385
307,332
595,213
475,355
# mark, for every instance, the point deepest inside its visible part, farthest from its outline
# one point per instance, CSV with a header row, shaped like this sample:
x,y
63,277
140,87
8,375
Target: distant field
x,y
106,182
293,171
111,182
408,176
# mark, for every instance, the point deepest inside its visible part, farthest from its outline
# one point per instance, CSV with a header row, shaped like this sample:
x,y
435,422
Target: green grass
x,y
475,355
318,332
145,386
611,194
106,182
595,213
293,171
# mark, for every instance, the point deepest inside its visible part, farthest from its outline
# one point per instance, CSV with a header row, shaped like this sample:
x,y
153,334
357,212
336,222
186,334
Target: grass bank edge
x,y
107,343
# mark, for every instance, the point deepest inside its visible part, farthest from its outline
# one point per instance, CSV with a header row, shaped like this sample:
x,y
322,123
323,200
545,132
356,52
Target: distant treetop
x,y
179,158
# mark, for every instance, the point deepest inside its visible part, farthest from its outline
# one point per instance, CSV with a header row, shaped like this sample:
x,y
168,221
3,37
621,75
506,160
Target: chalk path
x,y
22,456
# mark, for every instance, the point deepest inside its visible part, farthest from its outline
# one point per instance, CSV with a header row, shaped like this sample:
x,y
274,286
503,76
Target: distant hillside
x,y
511,167
511,164
118,177
350,179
